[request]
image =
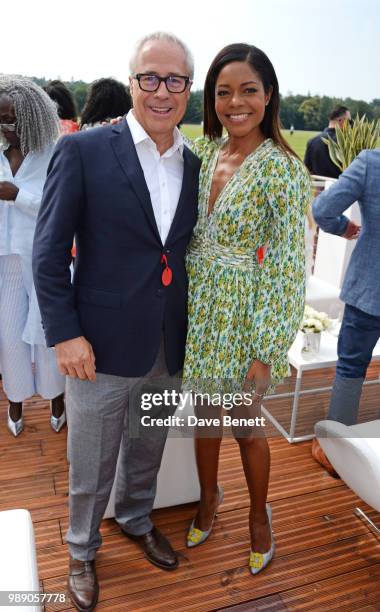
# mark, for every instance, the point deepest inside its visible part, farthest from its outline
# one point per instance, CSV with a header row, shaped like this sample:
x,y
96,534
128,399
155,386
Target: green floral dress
x,y
242,307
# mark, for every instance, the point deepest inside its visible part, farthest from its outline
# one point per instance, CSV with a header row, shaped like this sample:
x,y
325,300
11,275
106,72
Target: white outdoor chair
x,y
331,260
354,451
18,561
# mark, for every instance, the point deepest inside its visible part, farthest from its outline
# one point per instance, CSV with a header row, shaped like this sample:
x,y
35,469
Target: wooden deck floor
x,y
326,558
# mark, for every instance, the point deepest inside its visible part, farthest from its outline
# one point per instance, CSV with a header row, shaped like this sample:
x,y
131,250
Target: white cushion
x,y
323,296
355,454
18,563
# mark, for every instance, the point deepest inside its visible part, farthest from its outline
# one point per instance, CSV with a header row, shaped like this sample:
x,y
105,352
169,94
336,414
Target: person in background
x,y
29,130
107,99
360,329
66,107
317,159
246,267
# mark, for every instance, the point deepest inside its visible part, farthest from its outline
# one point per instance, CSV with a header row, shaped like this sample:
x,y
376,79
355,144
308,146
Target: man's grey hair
x,y
168,37
36,113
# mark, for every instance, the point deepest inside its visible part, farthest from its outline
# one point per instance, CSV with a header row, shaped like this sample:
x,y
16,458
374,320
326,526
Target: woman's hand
x,y
259,373
8,191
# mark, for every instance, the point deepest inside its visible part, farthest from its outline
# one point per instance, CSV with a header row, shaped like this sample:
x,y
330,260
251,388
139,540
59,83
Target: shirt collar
x,y
139,135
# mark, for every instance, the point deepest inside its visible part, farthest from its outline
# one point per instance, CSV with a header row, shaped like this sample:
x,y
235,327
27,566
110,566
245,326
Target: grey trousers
x,y
99,426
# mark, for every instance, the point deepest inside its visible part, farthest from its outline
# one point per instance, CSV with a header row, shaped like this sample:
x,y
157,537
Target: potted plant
x,y
351,140
313,324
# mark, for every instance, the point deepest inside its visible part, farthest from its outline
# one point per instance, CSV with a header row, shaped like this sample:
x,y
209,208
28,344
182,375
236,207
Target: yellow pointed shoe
x,y
259,561
197,536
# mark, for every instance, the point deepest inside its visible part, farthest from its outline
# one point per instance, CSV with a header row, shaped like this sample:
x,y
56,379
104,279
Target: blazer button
x,y
159,292
168,250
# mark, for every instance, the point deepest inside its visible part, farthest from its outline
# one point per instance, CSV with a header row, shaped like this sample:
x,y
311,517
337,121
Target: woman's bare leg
x,y
207,447
255,456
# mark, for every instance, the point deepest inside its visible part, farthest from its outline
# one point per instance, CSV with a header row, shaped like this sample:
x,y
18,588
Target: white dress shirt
x,y
163,173
18,217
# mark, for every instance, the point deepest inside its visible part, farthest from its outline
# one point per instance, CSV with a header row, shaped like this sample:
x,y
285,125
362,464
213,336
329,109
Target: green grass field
x,y
297,141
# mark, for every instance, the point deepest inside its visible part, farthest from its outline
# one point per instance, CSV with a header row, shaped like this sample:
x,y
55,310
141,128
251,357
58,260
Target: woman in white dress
x,y
29,129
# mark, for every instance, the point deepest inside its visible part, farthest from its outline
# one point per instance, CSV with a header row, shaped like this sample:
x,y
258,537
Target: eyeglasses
x,y
8,127
151,82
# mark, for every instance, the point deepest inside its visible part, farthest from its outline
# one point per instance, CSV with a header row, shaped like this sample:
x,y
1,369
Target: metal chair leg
x,y
362,515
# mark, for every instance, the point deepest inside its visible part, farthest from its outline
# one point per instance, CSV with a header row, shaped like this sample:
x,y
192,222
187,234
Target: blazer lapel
x,y
125,151
187,187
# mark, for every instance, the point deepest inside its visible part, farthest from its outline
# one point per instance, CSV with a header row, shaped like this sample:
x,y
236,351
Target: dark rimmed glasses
x,y
151,82
8,127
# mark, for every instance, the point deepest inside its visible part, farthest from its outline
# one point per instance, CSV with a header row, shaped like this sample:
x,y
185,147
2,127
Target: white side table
x,y
327,357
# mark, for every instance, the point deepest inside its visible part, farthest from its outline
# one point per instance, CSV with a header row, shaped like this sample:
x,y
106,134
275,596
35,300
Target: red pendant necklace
x,y
167,275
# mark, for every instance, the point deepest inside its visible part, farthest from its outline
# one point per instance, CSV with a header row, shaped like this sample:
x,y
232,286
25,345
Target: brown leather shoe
x,y
157,549
320,457
83,585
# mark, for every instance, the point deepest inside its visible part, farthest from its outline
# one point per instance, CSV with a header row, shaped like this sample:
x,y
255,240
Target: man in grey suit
x,y
360,328
128,193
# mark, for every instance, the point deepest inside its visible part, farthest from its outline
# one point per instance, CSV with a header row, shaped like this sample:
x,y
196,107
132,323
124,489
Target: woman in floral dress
x,y
246,267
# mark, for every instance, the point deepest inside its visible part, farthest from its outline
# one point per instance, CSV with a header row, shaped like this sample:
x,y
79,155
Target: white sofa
x,y
354,451
18,562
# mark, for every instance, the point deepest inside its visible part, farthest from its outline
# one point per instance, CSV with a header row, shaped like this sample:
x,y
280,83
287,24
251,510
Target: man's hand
x,y
352,231
8,191
76,358
259,373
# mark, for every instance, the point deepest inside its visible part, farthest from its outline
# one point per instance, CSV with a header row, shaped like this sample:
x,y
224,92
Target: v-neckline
x,y
17,173
230,180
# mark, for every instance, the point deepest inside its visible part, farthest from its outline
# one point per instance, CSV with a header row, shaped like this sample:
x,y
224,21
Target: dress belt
x,y
236,257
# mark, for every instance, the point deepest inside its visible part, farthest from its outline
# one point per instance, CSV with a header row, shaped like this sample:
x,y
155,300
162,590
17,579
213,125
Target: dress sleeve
x,y
281,290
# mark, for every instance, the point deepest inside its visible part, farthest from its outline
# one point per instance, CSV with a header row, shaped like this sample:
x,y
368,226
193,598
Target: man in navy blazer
x,y
128,194
360,328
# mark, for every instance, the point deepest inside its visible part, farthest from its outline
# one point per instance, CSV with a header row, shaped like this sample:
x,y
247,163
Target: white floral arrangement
x,y
314,321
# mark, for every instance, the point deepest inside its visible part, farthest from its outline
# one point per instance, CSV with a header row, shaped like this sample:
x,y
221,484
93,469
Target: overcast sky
x,y
329,47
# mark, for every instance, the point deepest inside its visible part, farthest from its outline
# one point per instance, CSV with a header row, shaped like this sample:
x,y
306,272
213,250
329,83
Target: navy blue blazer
x,y
96,191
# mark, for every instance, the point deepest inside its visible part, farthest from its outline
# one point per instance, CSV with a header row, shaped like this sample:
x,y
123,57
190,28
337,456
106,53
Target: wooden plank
x,y
344,593
230,535
41,508
32,466
273,603
137,587
14,489
282,484
12,451
297,509
47,533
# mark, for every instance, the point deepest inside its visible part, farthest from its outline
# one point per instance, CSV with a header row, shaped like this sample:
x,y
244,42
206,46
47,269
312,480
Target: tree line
x,y
304,112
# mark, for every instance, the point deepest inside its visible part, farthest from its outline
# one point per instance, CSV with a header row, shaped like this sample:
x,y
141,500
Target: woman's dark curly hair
x,y
106,99
63,98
